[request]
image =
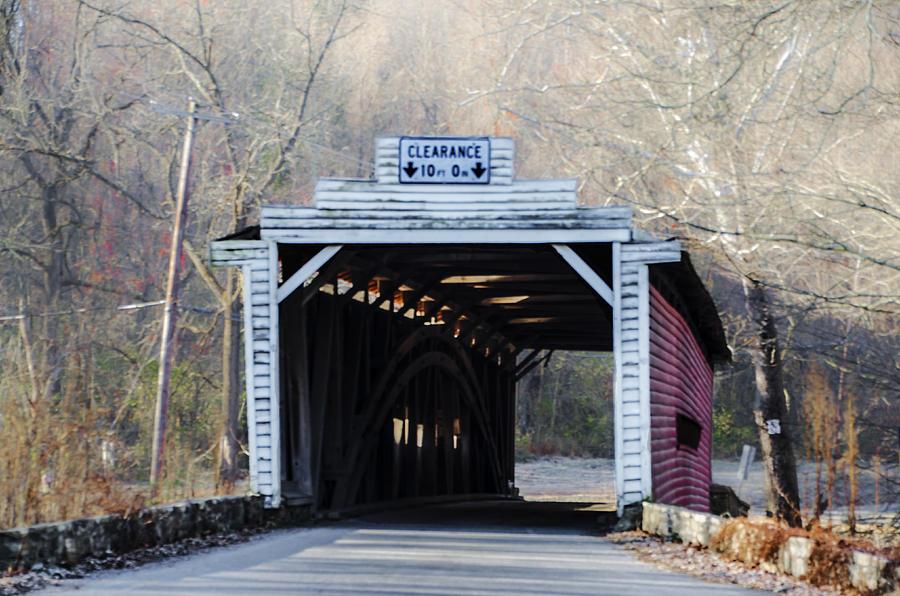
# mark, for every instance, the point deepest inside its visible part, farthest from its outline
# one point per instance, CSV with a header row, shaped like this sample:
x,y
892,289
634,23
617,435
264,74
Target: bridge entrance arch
x,y
385,328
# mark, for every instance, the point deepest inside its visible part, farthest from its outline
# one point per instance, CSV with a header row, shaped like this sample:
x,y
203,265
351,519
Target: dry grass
x,y
49,467
829,565
59,461
52,469
76,414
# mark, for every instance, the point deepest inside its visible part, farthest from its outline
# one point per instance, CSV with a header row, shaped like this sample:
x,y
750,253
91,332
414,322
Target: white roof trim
x,y
485,235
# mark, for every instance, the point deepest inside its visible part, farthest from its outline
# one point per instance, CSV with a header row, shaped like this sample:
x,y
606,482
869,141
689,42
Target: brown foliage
x,y
820,414
828,565
752,542
758,542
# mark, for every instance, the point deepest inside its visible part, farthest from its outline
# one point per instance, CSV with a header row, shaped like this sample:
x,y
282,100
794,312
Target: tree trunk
x,y
769,410
231,399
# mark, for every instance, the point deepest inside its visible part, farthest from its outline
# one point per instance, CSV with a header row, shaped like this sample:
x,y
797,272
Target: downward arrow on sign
x,y
477,170
410,170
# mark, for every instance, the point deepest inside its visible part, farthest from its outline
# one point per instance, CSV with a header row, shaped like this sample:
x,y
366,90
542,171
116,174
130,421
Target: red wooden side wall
x,y
681,382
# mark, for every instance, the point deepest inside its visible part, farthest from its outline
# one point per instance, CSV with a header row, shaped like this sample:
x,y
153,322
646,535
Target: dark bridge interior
x,y
398,364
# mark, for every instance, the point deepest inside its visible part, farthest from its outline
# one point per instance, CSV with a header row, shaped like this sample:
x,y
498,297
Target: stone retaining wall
x,y
66,543
866,572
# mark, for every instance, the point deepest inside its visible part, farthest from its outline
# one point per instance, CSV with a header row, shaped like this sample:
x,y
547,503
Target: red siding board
x,y
667,432
664,360
675,487
681,385
680,382
668,395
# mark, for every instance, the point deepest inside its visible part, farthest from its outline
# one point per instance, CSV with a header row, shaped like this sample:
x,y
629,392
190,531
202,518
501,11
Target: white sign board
x,y
445,160
747,455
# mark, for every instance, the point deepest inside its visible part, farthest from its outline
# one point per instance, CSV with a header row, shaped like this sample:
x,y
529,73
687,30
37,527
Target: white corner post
x,y
643,272
261,362
258,260
631,348
631,336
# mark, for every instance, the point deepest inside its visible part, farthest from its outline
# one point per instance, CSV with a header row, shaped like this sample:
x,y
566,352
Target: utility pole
x,y
167,340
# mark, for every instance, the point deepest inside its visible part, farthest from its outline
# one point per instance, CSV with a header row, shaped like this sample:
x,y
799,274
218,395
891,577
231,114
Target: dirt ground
x,y
567,479
593,480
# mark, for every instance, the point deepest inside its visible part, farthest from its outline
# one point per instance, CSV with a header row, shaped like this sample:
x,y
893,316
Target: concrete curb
x,y
66,543
869,573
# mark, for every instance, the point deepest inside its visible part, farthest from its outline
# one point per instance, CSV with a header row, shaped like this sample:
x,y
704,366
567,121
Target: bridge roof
x,y
514,262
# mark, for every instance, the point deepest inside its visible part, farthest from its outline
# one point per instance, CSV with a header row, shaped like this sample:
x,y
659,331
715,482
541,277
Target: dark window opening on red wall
x,y
687,432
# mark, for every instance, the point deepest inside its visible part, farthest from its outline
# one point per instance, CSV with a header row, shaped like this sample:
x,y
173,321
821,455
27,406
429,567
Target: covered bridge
x,y
386,327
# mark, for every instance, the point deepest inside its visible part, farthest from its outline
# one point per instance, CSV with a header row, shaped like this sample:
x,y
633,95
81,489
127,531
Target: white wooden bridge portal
x,y
386,326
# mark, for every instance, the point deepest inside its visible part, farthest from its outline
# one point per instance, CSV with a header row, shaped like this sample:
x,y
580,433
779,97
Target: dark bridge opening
x,y
399,365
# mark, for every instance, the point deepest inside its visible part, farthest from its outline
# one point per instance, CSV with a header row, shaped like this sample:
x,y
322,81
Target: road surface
x,y
468,549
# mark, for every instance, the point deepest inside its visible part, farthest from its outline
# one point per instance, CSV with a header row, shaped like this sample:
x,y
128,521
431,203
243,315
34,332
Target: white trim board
x,y
274,375
644,378
445,236
618,437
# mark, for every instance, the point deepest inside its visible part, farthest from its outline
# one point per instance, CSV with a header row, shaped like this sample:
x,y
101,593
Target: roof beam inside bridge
x,y
502,298
307,270
585,271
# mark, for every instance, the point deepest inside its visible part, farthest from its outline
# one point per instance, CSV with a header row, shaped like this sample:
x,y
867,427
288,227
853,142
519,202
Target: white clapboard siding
x,y
387,160
258,259
333,193
369,211
631,434
305,217
630,469
447,204
235,252
627,395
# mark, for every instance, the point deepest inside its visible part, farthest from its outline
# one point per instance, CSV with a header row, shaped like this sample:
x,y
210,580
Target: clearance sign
x,y
445,160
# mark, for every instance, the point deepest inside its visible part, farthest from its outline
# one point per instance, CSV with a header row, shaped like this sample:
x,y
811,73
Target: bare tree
x,y
738,127
264,98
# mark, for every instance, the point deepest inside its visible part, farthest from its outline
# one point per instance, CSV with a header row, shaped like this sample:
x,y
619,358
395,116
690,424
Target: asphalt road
x,y
451,550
